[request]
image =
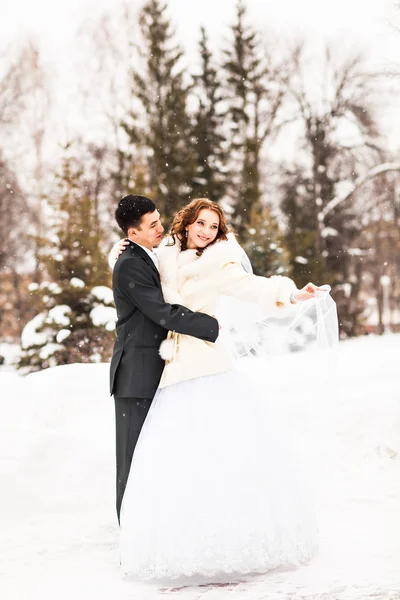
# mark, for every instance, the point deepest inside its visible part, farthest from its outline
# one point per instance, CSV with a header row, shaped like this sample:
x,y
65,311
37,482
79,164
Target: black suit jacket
x,y
144,319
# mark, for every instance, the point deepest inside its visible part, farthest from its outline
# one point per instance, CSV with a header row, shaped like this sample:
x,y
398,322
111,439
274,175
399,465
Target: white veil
x,y
248,332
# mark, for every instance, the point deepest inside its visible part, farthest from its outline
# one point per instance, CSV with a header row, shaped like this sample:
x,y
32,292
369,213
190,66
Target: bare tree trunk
x,y
377,278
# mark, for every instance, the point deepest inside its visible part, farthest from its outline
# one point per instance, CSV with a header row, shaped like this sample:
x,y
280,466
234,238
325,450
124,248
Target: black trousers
x,y
130,414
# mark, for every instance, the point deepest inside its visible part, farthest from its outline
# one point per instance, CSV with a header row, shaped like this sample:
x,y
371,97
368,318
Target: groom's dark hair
x,y
130,211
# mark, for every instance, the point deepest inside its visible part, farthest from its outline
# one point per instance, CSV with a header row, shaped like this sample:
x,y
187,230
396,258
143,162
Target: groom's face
x,y
149,232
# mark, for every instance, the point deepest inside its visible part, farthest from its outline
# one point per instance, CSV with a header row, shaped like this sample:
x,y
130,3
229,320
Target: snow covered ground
x,y
59,537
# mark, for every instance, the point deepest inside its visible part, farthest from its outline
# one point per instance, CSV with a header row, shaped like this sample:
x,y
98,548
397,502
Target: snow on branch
x,y
338,199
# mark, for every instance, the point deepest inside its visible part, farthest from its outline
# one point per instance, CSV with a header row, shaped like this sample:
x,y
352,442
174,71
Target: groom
x,y
144,319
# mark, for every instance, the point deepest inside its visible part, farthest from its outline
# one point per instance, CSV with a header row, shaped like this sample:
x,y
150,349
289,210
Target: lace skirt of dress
x,y
214,490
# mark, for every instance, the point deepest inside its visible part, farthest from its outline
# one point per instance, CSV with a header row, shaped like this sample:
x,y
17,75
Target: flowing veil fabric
x,y
248,332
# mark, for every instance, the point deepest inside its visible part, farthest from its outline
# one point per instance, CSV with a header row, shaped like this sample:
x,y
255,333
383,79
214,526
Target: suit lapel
x,y
138,251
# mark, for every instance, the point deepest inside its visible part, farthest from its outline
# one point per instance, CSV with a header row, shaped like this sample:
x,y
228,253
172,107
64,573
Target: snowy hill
x,y
58,530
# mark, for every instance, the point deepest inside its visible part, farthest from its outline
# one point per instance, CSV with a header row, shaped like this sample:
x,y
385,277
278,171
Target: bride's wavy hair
x,y
188,215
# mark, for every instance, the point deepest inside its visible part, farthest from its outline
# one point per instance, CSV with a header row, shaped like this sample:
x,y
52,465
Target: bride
x,y
212,489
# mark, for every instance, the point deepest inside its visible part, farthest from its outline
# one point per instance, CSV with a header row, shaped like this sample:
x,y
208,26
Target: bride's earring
x,y
186,232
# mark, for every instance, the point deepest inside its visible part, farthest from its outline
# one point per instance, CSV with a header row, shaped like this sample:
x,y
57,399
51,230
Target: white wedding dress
x,y
214,490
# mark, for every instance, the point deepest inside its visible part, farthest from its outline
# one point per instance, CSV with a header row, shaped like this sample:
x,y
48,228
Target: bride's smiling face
x,y
204,230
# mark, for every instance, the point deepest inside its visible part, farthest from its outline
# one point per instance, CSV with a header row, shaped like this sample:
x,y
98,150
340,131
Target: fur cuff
x,y
285,288
166,350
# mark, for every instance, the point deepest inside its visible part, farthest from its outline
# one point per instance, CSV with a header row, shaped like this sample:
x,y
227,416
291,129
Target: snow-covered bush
x,y
81,331
75,315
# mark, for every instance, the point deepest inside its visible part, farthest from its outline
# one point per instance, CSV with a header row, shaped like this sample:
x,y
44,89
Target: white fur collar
x,y
176,267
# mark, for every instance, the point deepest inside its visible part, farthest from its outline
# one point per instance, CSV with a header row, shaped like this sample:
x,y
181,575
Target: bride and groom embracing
x,y
205,485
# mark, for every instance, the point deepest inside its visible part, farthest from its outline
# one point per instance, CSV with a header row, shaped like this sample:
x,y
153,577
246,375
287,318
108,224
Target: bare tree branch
x,y
378,170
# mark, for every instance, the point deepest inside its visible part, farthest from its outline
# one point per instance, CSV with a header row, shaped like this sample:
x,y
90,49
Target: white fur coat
x,y
197,282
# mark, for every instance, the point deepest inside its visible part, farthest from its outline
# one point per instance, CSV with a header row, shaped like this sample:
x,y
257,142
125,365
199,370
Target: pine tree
x,y
161,125
265,245
255,90
129,176
76,315
210,144
301,233
243,69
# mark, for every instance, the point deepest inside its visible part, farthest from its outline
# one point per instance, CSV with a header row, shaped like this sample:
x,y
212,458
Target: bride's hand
x,y
123,244
309,291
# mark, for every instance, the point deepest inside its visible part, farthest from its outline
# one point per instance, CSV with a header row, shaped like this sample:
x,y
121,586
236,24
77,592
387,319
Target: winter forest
x,y
291,147
286,114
